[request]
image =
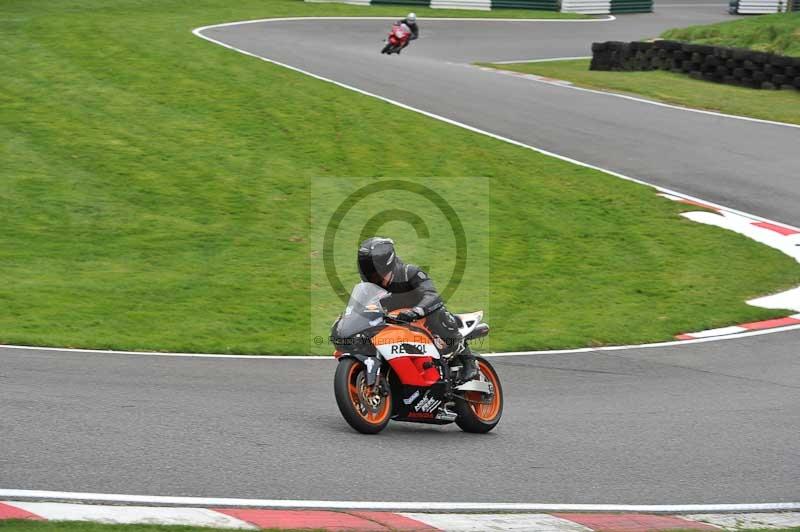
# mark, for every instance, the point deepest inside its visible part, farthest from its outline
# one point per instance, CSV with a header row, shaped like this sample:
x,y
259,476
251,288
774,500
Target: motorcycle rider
x,y
411,288
411,22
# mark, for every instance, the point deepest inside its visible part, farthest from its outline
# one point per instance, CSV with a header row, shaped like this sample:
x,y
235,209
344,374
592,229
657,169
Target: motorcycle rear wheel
x,y
475,414
353,397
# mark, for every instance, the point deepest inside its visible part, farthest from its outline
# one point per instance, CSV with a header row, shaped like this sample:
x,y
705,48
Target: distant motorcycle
x,y
392,369
398,37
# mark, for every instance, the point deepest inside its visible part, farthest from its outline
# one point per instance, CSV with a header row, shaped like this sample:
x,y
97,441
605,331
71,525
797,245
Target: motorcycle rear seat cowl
x,y
470,326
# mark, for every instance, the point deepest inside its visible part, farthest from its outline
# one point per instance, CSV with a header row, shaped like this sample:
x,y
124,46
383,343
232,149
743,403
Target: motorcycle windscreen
x,y
364,310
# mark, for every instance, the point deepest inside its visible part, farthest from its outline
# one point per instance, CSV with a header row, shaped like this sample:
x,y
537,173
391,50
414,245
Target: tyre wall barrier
x,y
731,66
542,5
631,6
759,7
589,7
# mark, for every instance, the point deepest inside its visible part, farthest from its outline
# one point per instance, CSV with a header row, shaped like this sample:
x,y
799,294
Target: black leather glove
x,y
409,315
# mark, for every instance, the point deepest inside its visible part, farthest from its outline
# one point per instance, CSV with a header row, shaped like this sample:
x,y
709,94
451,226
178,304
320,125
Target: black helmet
x,y
377,260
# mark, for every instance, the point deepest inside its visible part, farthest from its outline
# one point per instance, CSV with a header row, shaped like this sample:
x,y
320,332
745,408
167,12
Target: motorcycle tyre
x,y
342,392
467,419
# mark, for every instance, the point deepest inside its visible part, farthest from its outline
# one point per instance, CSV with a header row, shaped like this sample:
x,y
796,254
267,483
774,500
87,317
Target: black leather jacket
x,y
413,27
411,287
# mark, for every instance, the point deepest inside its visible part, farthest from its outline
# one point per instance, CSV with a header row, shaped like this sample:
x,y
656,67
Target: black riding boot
x,y
470,366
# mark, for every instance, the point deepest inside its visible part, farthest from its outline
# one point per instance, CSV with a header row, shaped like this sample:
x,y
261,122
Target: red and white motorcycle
x,y
398,37
391,369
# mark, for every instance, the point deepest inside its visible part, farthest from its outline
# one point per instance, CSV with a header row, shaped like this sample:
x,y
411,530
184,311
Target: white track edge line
x,y
167,354
609,18
546,60
621,95
672,343
198,32
423,506
155,500
575,351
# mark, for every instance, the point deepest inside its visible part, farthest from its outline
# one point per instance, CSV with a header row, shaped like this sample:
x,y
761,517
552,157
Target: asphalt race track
x,y
715,422
740,164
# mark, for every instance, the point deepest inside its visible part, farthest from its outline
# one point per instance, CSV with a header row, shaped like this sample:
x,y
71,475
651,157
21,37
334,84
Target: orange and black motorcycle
x,y
391,369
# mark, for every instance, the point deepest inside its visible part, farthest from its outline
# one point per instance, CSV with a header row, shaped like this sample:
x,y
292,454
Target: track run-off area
x,y
693,423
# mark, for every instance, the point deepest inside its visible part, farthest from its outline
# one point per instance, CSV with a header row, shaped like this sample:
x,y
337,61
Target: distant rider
x,y
412,289
411,22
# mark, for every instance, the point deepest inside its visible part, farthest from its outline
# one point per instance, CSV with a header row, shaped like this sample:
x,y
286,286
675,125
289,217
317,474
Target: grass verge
x,y
156,194
781,106
778,33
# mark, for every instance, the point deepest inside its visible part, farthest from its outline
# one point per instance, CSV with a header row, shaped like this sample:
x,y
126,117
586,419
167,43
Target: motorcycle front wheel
x,y
365,408
477,412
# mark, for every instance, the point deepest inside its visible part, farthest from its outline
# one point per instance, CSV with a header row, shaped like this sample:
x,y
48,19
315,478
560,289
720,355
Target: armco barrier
x,y
462,4
597,7
759,7
732,66
589,7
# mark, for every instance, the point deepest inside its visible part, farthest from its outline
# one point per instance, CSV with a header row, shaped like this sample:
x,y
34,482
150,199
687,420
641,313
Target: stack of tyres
x,y
601,59
545,5
732,66
631,6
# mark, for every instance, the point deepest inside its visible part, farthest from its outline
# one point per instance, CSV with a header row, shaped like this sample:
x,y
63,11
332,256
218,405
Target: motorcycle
x,y
392,369
398,37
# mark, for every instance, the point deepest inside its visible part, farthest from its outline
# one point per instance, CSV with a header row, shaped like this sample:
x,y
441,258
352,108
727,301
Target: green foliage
x,y
778,33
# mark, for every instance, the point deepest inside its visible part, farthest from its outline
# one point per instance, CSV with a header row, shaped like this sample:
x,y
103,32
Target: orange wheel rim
x,y
356,382
483,410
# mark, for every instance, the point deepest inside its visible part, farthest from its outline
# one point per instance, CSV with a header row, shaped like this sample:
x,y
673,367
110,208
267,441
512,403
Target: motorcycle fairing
x,y
394,341
407,349
372,364
410,354
400,32
422,404
468,321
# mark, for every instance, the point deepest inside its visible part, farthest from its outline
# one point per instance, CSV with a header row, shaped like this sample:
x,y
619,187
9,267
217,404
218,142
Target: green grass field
x,y
778,33
157,191
782,106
